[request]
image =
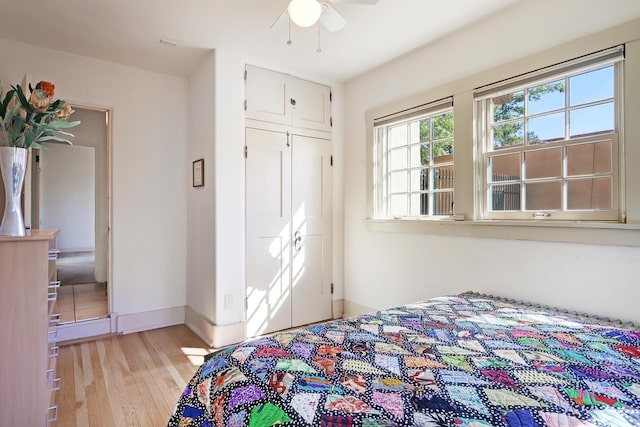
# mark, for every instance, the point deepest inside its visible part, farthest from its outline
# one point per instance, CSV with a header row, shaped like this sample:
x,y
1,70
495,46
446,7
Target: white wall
x,y
201,248
149,182
229,177
384,269
216,260
68,195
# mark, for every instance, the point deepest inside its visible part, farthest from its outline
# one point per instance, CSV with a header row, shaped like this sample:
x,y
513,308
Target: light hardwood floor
x,y
82,302
128,380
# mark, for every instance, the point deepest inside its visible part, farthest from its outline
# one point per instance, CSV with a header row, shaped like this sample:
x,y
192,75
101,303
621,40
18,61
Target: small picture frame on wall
x,y
198,173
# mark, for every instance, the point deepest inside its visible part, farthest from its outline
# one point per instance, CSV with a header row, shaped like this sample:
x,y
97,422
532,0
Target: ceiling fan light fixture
x,y
305,13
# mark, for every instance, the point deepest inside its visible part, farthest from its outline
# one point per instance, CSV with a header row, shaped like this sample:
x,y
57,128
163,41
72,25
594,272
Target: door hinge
x,y
246,152
331,121
331,160
332,288
292,101
245,74
330,96
245,105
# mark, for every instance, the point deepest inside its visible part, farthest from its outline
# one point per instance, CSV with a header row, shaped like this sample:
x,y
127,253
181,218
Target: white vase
x,y
13,164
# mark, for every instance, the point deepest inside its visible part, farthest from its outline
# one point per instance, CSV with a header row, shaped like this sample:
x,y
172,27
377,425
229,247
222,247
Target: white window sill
x,y
606,233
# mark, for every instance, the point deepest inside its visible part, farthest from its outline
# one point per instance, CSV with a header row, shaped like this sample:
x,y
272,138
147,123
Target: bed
x,y
465,361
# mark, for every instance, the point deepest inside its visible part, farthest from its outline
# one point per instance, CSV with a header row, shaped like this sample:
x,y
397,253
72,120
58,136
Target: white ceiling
x,y
128,31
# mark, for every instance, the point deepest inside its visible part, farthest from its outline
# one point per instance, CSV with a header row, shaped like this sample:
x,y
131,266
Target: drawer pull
x,y
52,336
54,351
51,374
52,296
53,254
52,418
55,384
54,285
54,319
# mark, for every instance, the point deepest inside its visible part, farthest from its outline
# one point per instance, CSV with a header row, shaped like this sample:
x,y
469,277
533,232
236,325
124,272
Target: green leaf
x,y
5,103
22,98
54,138
56,105
29,137
63,124
60,132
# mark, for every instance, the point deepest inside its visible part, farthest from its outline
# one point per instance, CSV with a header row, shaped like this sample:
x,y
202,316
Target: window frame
x,y
485,151
382,172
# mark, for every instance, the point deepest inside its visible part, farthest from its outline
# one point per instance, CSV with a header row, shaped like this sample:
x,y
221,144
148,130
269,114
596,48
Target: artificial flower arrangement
x,y
26,123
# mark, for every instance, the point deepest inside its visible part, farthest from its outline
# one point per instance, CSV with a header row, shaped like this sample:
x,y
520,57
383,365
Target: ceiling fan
x,y
306,13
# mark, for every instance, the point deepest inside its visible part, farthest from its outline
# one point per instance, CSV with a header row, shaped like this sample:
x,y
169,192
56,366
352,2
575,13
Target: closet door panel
x,y
312,229
267,96
268,205
312,109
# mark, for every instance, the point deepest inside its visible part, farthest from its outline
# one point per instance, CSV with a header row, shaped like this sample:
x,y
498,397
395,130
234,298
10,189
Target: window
x,y
413,170
548,142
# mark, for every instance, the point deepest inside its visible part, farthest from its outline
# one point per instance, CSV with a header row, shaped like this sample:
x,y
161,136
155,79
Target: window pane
x,y
544,196
589,193
508,106
398,159
586,159
416,155
508,134
546,97
398,136
592,86
443,151
504,197
545,128
543,163
504,168
414,132
443,203
419,204
424,154
419,180
591,120
398,182
443,177
425,130
443,126
398,204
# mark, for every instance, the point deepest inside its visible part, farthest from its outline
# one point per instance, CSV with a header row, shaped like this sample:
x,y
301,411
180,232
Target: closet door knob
x,y
297,241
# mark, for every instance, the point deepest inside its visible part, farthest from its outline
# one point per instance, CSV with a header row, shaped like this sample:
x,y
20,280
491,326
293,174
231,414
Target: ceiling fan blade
x,y
331,19
355,1
281,21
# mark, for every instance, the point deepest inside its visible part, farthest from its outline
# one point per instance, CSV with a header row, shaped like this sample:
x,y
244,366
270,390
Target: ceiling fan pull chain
x,y
289,40
319,50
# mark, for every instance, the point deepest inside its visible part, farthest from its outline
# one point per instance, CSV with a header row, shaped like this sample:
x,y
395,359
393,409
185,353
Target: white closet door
x,y
312,109
268,205
311,216
268,96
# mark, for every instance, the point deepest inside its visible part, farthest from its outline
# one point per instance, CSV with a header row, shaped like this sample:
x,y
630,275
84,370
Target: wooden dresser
x,y
28,291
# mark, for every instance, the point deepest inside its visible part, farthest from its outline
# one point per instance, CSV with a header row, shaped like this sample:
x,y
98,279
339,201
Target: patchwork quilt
x,y
449,361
